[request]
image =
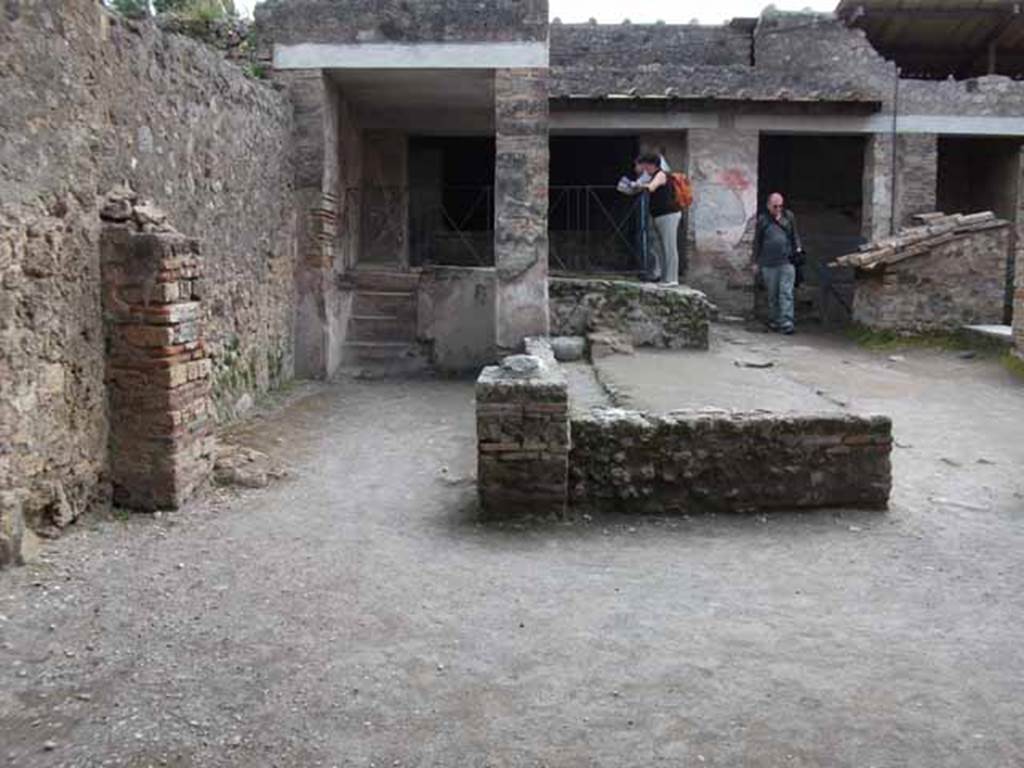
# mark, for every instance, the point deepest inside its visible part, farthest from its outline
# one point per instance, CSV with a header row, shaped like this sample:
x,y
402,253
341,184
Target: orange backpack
x,y
682,192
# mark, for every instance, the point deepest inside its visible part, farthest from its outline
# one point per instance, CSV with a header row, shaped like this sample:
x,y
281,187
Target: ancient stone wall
x,y
696,461
624,45
814,47
988,96
957,282
522,412
643,314
374,21
90,100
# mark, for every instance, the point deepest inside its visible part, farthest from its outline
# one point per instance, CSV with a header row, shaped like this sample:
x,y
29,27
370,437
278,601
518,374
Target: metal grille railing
x,y
596,228
591,228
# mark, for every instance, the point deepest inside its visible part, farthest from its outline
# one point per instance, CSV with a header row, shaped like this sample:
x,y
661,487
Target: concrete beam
x,y
947,125
629,122
411,56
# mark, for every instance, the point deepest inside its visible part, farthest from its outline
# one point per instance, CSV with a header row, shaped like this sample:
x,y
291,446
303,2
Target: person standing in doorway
x,y
666,214
777,248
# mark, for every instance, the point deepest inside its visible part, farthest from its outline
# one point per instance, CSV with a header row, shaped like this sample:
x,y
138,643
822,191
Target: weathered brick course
x,y
159,389
523,436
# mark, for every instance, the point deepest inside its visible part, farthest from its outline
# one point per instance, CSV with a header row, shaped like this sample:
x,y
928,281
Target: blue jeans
x,y
779,283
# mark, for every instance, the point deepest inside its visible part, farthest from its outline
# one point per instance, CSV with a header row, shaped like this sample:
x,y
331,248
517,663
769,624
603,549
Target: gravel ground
x,y
355,613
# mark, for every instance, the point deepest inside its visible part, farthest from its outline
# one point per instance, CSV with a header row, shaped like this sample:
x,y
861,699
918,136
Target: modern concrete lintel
x,y
411,55
941,124
611,121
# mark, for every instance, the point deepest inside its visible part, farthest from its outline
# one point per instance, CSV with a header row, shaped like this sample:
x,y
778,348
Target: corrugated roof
x,y
942,38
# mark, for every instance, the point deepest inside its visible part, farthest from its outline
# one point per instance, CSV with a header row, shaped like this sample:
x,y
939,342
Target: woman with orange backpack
x,y
669,196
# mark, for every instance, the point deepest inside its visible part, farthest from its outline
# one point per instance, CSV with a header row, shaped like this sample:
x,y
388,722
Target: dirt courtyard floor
x,y
355,614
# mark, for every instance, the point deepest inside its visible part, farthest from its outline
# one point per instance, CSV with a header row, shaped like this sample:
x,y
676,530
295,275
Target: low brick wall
x,y
958,282
158,369
522,425
646,314
697,461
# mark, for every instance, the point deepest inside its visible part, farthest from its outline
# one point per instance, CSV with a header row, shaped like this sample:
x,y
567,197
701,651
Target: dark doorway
x,y
821,178
451,200
592,227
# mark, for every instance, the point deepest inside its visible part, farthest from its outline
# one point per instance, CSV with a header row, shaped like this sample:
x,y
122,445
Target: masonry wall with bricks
x,y
157,368
522,424
211,146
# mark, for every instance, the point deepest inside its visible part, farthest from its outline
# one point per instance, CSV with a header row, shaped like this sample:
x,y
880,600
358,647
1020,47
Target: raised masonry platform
x,y
691,459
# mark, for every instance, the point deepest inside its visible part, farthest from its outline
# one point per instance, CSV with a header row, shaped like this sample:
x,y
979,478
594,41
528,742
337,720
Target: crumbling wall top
x,y
398,21
626,46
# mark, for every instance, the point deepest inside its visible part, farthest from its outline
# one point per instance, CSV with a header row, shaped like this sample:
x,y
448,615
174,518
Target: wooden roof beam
x,y
988,45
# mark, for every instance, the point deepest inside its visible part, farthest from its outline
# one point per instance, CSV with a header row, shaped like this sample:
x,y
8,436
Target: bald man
x,y
776,248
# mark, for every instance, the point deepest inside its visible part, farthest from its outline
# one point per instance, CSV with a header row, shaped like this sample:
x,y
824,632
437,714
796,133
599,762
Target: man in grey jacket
x,y
777,249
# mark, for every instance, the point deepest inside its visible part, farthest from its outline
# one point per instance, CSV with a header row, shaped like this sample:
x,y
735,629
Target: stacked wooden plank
x,y
930,230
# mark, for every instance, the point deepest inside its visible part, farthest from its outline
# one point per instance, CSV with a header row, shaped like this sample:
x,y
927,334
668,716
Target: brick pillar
x,y
158,371
917,170
522,427
877,198
520,205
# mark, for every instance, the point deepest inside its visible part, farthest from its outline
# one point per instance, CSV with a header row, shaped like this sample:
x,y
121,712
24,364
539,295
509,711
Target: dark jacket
x,y
788,223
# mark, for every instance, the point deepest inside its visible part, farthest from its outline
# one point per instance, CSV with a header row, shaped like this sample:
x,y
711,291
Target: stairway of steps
x,y
381,333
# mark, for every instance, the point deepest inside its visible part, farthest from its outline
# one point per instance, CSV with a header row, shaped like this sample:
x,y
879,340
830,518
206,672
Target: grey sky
x,y
613,11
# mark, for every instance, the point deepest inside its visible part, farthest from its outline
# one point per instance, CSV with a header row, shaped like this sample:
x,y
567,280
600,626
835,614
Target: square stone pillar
x,y
723,172
520,206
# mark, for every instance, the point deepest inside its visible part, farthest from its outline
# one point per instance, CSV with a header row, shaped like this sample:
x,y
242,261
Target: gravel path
x,y
356,615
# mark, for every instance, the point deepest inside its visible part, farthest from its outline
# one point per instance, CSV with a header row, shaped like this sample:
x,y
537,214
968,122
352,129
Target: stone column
x,y
520,206
723,172
317,350
917,170
158,371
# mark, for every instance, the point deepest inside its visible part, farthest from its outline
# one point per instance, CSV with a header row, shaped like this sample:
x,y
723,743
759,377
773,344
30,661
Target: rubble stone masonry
x,y
521,205
90,100
697,461
648,315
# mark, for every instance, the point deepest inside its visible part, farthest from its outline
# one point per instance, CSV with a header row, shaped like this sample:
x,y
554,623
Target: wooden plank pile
x,y
930,231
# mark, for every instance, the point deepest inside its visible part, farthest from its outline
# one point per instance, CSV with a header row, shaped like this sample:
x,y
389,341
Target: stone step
x,y
382,358
366,327
384,280
385,303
